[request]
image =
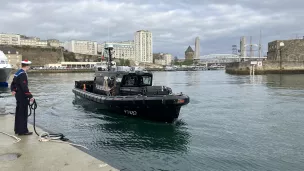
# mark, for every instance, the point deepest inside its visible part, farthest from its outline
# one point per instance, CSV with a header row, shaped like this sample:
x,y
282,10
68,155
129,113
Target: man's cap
x,y
26,62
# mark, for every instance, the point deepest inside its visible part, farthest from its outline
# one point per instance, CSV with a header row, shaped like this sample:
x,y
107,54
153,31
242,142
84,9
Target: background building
x,y
197,47
189,53
168,58
143,46
42,43
81,46
28,41
162,58
9,39
100,47
32,41
122,50
293,50
160,62
53,43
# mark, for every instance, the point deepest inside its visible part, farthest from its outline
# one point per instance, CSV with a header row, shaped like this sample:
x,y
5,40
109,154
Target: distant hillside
x,y
40,56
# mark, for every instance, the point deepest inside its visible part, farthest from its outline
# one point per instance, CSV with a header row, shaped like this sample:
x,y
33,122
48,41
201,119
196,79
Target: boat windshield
x,y
131,81
146,80
135,80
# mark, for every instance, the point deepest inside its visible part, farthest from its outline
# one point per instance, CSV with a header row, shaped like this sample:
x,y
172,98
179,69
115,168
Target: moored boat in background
x,y
5,70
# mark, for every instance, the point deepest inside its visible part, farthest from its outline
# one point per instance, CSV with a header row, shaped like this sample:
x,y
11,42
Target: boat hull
x,y
156,108
5,74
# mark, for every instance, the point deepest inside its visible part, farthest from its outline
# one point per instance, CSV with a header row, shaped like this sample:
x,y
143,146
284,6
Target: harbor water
x,y
231,123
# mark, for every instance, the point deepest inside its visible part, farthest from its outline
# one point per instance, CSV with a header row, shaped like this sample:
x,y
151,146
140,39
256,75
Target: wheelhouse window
x,y
131,81
146,81
136,80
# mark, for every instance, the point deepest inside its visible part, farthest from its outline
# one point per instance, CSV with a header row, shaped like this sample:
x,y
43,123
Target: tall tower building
x,y
197,47
243,46
143,46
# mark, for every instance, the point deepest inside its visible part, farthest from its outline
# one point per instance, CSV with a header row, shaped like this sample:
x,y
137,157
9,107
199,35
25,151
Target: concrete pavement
x,y
37,156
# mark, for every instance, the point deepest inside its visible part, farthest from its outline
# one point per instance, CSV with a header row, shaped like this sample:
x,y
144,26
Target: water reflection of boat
x,y
129,133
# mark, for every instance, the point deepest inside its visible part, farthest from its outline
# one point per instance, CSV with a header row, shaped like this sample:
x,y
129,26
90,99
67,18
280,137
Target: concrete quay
x,y
61,70
75,70
33,155
266,67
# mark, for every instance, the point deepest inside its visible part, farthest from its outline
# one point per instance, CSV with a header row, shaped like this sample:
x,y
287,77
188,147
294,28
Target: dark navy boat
x,y
126,91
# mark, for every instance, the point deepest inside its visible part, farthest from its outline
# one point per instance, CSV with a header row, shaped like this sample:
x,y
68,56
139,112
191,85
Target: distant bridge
x,y
225,58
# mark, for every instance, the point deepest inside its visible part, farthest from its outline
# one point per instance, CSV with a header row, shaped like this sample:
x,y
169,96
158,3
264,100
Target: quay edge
x,y
60,70
266,67
36,155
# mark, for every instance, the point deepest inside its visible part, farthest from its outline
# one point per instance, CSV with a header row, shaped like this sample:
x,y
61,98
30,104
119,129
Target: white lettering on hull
x,y
99,87
130,112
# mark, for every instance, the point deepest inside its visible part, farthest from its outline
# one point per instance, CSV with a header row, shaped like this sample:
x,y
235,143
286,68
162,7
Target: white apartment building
x,y
28,42
9,39
61,44
33,41
143,46
81,46
53,42
163,59
168,58
100,47
160,62
122,50
42,43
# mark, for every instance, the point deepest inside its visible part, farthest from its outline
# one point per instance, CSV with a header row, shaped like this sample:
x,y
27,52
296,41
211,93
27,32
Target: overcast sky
x,y
173,23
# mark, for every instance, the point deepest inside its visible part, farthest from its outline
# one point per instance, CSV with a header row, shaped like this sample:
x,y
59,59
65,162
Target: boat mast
x,y
109,48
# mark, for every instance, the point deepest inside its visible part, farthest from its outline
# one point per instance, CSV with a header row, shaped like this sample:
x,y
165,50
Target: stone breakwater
x,y
266,67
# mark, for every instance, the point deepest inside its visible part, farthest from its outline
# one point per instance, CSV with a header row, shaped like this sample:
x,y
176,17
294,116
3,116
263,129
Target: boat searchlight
x,y
109,46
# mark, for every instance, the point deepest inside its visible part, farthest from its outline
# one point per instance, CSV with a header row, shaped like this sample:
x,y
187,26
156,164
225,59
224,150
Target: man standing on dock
x,y
19,88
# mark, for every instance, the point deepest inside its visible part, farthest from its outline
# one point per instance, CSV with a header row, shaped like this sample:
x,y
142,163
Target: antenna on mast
x,y
109,48
108,33
251,50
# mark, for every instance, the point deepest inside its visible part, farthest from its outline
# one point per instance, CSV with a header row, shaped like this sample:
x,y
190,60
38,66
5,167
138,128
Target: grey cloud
x,y
174,24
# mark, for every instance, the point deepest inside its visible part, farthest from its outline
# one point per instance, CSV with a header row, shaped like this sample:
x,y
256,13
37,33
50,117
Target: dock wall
x,y
266,67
